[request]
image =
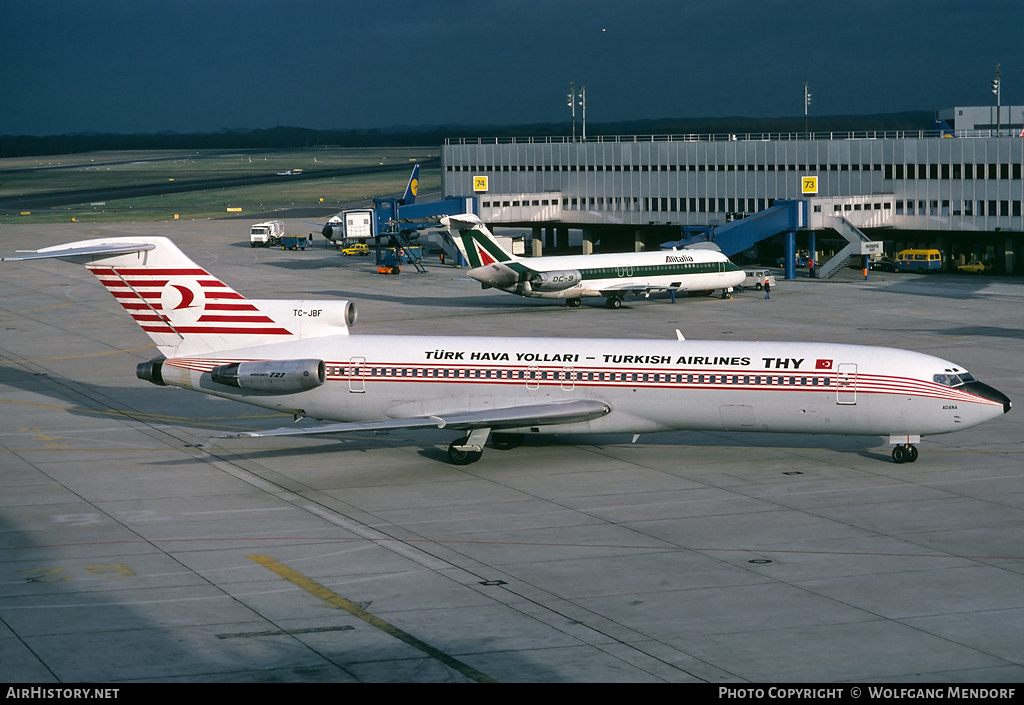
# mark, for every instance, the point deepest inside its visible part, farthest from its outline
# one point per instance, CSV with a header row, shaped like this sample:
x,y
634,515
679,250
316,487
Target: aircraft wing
x,y
552,413
631,288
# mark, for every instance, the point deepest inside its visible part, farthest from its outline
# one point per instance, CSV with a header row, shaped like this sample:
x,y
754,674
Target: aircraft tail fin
x,y
186,310
413,187
475,241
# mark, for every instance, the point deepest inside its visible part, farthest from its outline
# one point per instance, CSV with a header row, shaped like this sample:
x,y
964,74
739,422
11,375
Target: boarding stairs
x,y
855,248
450,249
416,260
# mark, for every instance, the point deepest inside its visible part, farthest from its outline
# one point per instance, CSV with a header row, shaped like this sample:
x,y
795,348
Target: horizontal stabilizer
x,y
560,412
76,250
462,221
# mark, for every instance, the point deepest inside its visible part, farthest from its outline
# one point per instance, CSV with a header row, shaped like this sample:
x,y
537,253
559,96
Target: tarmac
x,y
136,547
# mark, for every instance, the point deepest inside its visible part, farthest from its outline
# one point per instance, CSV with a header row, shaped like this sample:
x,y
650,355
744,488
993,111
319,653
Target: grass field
x,y
114,170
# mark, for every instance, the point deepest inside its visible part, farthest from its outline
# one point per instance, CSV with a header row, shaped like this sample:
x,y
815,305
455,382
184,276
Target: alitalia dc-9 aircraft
x,y
298,357
574,277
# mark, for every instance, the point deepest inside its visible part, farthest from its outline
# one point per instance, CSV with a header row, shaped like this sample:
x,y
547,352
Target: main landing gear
x,y
469,449
905,453
613,302
573,303
459,454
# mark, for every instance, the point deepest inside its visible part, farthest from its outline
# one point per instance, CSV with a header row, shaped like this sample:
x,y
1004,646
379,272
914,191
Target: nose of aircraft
x,y
986,392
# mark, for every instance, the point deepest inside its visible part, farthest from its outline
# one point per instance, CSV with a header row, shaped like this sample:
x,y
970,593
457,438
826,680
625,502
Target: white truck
x,y
266,234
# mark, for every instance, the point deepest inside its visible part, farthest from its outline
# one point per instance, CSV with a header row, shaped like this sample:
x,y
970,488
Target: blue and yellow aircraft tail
x,y
413,187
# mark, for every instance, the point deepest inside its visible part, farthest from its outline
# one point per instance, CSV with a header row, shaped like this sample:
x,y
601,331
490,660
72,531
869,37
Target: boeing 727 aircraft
x,y
573,277
298,357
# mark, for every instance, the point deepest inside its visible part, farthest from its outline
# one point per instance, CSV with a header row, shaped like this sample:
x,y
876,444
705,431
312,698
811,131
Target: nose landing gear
x,y
905,453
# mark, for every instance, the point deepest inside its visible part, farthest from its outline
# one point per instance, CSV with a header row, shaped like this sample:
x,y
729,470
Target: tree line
x,y
305,138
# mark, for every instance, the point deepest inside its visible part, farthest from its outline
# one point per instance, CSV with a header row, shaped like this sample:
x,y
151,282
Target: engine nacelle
x,y
272,376
152,371
555,281
495,274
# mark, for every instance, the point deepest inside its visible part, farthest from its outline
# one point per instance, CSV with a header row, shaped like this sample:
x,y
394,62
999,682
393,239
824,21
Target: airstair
x,y
415,259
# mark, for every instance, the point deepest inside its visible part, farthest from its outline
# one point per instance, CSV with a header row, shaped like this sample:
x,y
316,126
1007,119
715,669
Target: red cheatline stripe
x,y
224,295
554,378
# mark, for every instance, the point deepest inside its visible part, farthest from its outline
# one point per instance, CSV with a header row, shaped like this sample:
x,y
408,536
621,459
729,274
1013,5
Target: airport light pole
x,y
572,107
807,104
583,105
997,90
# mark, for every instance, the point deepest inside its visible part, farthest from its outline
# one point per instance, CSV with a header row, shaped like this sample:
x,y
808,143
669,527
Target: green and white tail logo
x,y
482,250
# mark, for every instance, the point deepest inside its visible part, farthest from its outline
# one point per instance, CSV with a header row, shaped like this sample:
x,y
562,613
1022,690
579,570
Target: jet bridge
x,y
401,221
739,235
742,234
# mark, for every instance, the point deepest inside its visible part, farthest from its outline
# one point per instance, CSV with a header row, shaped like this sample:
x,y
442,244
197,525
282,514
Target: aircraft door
x,y
846,383
568,379
533,376
357,375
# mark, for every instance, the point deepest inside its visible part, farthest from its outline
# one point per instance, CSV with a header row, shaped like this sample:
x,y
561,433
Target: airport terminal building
x,y
960,190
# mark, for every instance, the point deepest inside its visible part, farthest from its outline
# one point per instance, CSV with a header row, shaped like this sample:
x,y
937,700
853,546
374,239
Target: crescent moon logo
x,y
182,301
187,297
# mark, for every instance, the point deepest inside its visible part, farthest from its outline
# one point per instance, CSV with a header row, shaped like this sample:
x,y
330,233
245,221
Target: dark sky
x,y
204,65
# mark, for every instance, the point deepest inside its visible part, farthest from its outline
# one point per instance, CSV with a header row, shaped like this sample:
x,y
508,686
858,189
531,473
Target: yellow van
x,y
920,261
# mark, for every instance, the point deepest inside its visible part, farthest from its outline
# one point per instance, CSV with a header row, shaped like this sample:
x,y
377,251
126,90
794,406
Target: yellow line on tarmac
x,y
80,357
45,308
335,600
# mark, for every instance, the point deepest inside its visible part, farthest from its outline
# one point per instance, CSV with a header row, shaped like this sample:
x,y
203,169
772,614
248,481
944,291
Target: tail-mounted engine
x,y
272,376
152,371
555,281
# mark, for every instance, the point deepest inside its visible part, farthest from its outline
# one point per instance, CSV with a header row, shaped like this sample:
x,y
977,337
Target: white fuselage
x,y
578,276
650,385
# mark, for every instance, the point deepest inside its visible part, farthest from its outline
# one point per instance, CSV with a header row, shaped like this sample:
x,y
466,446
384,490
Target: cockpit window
x,y
951,380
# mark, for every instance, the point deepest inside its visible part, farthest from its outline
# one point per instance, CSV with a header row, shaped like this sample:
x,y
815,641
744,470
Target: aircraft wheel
x,y
913,454
573,303
899,455
462,457
614,302
506,441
